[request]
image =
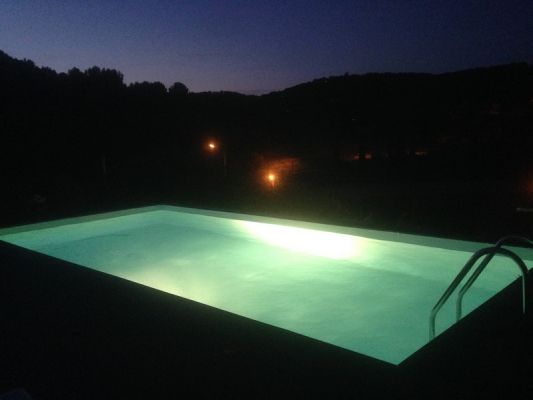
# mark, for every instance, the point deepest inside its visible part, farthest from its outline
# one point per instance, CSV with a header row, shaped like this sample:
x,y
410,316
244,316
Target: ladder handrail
x,y
479,270
460,276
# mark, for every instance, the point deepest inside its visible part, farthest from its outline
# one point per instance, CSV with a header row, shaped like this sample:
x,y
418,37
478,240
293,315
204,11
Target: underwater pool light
x,y
308,241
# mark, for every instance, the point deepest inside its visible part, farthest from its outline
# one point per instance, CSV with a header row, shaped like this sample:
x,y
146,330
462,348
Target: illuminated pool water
x,y
366,291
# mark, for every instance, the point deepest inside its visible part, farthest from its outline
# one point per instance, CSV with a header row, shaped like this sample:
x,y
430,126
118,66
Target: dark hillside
x,y
370,149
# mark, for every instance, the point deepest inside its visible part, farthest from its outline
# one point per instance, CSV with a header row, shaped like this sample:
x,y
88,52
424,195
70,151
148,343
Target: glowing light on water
x,y
308,241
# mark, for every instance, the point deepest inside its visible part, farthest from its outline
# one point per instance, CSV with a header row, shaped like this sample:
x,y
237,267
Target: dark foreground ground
x,y
73,333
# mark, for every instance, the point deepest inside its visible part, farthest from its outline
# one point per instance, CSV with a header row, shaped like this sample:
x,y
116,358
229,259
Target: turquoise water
x,y
364,294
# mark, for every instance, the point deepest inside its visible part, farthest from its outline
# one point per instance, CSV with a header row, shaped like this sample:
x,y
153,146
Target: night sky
x,y
258,46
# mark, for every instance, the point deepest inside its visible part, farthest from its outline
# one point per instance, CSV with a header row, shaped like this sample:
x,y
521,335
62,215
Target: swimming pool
x,y
367,291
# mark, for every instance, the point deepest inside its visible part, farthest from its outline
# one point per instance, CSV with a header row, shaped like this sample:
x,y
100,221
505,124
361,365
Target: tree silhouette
x,y
81,125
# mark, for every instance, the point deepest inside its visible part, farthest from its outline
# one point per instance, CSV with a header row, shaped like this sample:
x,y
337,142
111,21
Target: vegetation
x,y
85,140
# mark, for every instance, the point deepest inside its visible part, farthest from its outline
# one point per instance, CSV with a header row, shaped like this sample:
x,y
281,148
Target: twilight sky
x,y
255,46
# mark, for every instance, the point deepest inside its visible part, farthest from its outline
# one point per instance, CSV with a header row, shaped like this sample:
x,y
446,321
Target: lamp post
x,y
213,147
271,177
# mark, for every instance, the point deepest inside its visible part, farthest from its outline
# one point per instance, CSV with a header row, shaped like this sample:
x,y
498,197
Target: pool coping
x,y
430,241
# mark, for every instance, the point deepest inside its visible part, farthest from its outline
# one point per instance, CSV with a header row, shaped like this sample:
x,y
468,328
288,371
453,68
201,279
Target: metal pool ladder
x,y
489,253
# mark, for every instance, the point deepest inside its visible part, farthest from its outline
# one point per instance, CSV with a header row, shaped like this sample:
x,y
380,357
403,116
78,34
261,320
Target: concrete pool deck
x,y
76,333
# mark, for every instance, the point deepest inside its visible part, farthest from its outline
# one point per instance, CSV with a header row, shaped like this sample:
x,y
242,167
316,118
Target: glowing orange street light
x,y
212,146
271,179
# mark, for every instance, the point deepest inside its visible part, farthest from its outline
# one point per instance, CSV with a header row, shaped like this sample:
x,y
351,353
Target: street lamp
x,y
213,147
271,177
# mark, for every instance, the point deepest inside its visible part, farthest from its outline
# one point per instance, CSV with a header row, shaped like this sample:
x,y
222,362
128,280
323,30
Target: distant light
x,y
212,145
271,178
307,241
